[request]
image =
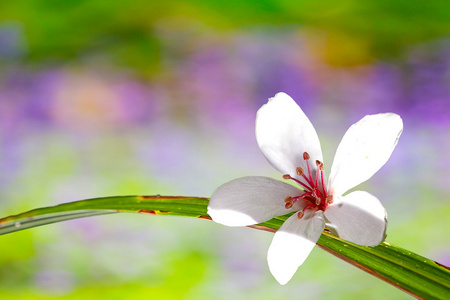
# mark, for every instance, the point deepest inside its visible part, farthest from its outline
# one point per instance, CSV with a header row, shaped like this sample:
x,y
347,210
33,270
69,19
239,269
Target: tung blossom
x,y
290,143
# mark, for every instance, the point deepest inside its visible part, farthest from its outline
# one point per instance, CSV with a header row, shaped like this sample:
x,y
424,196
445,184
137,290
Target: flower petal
x,y
251,200
364,149
359,217
283,133
292,244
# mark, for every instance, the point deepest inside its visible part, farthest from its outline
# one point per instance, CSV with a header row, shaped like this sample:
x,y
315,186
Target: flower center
x,y
315,192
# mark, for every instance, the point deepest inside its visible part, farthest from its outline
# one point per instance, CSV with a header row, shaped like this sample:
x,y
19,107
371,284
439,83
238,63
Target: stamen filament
x,y
305,195
309,173
323,184
321,169
310,180
301,213
287,176
313,197
317,172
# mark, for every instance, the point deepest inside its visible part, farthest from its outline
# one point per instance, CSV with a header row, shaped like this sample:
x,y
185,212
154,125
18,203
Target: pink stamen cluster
x,y
315,195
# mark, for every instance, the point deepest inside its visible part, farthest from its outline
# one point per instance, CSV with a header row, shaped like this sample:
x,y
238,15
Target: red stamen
x,y
318,201
315,196
323,186
310,179
309,174
306,195
287,176
317,172
301,213
324,189
306,156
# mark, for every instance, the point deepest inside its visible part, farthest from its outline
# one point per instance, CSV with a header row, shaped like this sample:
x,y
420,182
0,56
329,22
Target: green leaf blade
x,y
412,273
408,271
175,206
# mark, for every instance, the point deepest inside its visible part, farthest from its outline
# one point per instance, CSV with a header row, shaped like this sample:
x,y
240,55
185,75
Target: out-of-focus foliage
x,y
128,32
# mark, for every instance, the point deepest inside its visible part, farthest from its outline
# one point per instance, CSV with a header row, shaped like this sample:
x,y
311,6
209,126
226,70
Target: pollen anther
x,y
319,165
330,198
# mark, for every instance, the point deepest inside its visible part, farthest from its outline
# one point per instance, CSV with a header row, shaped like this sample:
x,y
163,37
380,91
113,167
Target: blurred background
x,y
114,97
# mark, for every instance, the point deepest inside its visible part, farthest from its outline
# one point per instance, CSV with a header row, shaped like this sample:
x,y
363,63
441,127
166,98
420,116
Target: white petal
x,y
358,217
283,133
251,200
292,244
364,149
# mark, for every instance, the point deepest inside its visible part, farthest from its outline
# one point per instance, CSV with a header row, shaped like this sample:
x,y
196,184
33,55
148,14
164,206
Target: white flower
x,y
289,142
